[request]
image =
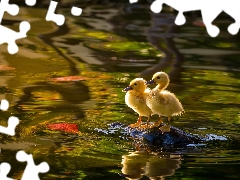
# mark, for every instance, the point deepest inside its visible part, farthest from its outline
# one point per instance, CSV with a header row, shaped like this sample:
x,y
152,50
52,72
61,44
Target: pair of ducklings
x,y
147,102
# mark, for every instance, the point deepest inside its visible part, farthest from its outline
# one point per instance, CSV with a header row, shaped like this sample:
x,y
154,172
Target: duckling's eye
x,y
135,84
158,77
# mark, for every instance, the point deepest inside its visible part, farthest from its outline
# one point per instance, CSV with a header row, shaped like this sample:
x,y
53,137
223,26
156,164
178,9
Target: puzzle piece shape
x,y
4,170
12,123
30,2
232,9
133,1
12,9
59,19
7,35
76,11
208,12
209,9
4,105
31,171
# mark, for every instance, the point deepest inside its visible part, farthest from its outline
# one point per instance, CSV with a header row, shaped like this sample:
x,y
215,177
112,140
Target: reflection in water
x,y
164,43
139,164
84,46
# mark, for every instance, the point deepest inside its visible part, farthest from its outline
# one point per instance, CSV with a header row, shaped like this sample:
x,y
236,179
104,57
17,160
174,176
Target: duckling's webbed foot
x,y
157,124
138,123
145,125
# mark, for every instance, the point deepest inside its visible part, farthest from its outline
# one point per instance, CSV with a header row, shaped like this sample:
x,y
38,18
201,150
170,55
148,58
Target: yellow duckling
x,y
135,98
163,102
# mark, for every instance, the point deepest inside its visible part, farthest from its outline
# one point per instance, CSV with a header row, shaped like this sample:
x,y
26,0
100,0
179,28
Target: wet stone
x,y
154,136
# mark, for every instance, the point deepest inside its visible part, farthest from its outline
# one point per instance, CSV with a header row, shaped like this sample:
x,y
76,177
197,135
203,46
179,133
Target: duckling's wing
x,y
174,103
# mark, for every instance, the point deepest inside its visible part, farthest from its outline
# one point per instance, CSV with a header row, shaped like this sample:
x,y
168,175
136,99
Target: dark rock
x,y
154,136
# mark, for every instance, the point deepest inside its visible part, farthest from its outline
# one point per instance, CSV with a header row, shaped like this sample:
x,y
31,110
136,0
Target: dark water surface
x,y
106,47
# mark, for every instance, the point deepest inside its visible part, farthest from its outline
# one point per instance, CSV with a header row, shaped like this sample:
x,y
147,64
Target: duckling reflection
x,y
137,164
135,98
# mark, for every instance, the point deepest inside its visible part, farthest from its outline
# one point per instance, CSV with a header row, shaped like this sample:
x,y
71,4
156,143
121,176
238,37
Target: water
x,y
106,47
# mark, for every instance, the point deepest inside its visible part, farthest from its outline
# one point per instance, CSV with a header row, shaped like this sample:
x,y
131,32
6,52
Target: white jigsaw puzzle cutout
x,y
76,11
30,2
12,123
7,35
4,170
4,105
12,120
59,19
31,171
209,9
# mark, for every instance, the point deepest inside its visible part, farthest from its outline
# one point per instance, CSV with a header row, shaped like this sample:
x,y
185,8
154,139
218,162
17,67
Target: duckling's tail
x,y
182,112
179,113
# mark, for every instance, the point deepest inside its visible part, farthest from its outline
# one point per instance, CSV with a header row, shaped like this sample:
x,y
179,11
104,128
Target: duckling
x,y
135,98
163,102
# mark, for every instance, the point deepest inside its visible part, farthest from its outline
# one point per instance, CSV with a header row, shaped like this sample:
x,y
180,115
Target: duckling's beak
x,y
127,89
151,82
